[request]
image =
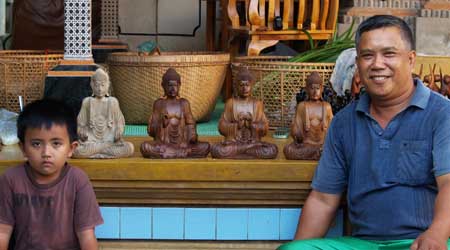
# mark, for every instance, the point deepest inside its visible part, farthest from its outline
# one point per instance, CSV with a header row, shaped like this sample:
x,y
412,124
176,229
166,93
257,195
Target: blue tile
x,y
288,223
110,229
168,223
337,229
264,224
200,224
135,223
232,223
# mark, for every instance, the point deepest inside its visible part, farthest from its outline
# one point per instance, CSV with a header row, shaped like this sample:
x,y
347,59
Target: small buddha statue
x,y
101,123
172,125
243,124
310,123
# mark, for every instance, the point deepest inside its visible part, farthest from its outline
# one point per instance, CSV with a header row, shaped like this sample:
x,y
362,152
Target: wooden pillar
x,y
210,25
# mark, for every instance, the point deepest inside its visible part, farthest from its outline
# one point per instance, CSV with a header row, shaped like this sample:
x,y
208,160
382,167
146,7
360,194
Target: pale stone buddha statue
x,y
310,123
172,125
101,123
243,123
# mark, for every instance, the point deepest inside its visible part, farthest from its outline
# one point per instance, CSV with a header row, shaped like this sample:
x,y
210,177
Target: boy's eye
x,y
57,143
35,144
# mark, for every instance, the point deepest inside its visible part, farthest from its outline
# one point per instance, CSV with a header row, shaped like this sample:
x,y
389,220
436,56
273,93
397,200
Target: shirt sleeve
x,y
87,212
441,142
6,202
331,173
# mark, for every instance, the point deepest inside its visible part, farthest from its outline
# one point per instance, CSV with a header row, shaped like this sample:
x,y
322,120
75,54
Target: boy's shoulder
x,y
14,172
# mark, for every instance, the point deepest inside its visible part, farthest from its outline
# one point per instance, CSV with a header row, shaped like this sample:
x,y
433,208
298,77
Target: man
x,y
390,151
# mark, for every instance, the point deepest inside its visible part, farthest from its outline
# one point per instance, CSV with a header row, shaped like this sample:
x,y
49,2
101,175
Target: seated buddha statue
x,y
101,123
243,124
310,124
172,125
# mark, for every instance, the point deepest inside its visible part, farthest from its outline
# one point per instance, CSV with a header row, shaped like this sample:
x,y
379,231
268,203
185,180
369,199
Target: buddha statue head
x,y
314,87
171,82
244,83
100,83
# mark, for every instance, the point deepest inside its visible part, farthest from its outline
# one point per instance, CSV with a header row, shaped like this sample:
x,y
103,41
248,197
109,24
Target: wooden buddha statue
x,y
243,124
310,124
101,123
172,125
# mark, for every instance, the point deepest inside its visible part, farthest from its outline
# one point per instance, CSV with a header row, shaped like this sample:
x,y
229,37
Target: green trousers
x,y
347,243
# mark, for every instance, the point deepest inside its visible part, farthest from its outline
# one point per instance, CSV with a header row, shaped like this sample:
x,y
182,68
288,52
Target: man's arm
x,y
317,215
439,231
5,235
87,240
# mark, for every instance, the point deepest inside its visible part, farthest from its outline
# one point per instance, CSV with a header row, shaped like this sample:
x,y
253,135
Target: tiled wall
x,y
203,223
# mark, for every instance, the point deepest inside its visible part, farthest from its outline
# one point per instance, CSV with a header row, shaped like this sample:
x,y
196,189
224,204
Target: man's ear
x,y
412,58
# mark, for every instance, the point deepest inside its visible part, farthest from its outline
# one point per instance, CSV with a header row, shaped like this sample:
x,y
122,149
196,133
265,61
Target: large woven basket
x,y
136,81
22,73
277,82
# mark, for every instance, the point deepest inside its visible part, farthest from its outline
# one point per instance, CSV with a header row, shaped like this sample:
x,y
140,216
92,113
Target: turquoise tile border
x,y
177,223
200,224
110,228
264,224
135,223
168,223
232,223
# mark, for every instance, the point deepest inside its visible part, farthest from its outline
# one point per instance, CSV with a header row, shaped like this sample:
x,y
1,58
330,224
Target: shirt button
x,y
380,133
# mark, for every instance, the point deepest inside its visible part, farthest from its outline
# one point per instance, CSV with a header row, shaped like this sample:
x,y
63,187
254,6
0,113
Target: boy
x,y
48,203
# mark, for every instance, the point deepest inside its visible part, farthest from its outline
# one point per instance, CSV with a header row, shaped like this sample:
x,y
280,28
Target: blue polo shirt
x,y
389,174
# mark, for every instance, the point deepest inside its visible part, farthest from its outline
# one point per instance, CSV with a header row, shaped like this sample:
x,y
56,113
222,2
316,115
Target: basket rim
x,y
201,57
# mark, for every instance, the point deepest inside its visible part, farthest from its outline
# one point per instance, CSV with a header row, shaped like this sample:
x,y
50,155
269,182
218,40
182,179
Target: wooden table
x,y
136,180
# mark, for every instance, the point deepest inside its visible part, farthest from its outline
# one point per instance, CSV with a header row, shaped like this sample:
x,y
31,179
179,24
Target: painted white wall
x,y
174,16
2,17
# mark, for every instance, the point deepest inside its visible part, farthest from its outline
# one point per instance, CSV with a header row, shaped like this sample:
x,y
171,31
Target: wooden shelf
x,y
192,182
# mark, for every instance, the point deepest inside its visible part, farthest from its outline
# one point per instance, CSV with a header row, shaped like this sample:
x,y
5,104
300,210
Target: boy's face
x,y
47,150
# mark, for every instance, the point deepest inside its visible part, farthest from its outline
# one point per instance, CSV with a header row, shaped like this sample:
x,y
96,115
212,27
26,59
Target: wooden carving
x,y
172,125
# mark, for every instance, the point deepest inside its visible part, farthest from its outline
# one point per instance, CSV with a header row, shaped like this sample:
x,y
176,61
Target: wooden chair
x,y
317,17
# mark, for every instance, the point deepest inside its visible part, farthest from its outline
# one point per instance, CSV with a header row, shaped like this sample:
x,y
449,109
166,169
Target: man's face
x,y
171,88
385,63
245,88
100,85
47,151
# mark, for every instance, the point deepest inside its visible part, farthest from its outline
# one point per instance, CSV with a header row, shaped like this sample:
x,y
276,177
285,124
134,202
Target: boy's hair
x,y
383,21
46,113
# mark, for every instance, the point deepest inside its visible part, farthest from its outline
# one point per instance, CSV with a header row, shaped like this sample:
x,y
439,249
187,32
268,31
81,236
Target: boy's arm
x,y
5,235
86,239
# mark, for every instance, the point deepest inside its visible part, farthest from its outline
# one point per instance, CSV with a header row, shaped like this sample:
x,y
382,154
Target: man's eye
x,y
389,53
367,56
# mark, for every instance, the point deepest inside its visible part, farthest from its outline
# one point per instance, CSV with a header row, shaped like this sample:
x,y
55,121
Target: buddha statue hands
x,y
172,125
310,123
101,123
243,124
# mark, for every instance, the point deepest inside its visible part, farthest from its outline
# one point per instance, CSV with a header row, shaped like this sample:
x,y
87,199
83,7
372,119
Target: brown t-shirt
x,y
47,216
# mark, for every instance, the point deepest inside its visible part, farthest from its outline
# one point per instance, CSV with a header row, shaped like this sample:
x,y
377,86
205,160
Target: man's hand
x,y
430,240
5,235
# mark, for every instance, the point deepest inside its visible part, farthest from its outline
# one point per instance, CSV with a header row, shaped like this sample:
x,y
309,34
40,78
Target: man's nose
x,y
378,61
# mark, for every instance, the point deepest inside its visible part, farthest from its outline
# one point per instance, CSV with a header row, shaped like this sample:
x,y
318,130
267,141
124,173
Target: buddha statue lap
x,y
243,124
172,125
101,123
310,123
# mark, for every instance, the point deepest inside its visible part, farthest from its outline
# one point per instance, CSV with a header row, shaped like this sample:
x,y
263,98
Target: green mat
x,y
203,129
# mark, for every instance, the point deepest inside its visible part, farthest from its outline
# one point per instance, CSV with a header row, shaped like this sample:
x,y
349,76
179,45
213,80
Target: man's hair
x,y
46,113
383,21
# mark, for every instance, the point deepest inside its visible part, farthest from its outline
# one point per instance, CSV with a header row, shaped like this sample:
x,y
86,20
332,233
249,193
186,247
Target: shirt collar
x,y
419,99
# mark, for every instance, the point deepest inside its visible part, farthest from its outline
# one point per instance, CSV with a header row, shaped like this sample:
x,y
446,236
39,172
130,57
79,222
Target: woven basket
x,y
136,81
22,73
277,82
